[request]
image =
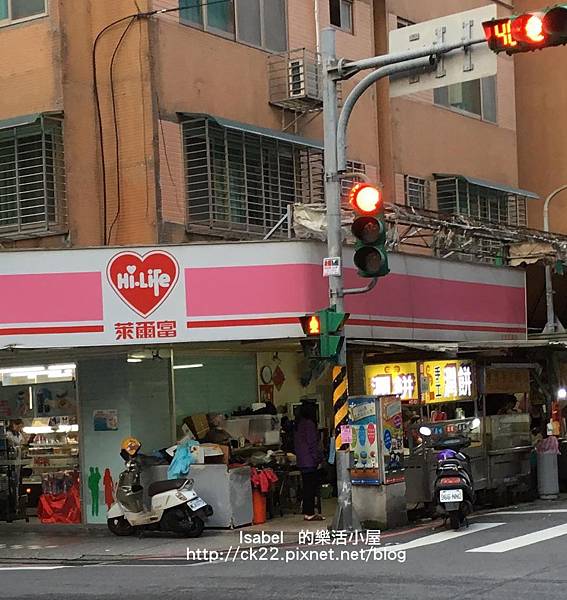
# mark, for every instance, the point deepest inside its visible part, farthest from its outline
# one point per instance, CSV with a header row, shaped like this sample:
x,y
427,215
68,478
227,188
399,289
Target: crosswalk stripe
x,y
445,536
523,540
525,512
33,568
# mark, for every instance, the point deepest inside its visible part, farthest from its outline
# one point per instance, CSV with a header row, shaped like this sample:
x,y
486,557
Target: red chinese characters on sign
x,y
145,330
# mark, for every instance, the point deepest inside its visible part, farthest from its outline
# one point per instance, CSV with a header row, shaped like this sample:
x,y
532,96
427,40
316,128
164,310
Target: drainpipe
x,y
316,13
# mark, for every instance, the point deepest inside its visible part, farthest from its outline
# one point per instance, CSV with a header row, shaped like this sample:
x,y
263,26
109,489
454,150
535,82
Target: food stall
x,y
446,395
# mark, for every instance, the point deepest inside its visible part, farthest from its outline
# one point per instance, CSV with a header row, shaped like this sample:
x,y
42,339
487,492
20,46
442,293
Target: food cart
x,y
446,395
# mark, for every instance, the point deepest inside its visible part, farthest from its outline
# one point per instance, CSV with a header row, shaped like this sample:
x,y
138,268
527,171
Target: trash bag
x,y
549,445
182,459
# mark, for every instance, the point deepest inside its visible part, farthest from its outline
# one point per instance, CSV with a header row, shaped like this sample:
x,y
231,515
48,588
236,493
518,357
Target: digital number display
x,y
499,34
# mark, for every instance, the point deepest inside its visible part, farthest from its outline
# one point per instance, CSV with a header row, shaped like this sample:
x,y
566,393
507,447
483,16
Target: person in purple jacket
x,y
309,458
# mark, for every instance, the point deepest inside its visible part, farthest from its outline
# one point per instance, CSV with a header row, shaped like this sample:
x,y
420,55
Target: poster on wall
x,y
17,401
267,393
55,399
105,420
364,441
392,439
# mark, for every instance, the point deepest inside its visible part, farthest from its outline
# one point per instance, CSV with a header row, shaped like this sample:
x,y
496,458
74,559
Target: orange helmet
x,y
131,445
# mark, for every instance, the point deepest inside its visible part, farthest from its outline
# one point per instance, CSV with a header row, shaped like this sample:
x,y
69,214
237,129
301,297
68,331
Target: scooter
x,y
454,485
175,506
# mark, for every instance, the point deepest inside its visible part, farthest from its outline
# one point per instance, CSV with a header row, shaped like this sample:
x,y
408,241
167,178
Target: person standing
x,y
309,458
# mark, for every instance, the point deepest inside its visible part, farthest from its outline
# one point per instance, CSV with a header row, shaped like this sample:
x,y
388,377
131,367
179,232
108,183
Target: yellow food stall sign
x,y
447,381
393,378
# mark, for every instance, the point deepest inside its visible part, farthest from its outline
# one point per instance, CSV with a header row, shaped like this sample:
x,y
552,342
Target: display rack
x,y
8,478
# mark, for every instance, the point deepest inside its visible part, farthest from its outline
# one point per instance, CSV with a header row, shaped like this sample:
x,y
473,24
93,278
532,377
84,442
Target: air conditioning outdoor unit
x,y
296,78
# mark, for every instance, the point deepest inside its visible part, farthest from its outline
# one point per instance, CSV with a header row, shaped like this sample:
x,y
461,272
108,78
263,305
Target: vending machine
x,y
375,434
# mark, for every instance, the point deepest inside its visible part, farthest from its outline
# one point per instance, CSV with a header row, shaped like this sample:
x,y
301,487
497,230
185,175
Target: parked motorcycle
x,y
454,485
175,506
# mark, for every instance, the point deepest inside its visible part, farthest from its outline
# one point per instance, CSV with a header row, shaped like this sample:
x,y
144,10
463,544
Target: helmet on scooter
x,y
130,445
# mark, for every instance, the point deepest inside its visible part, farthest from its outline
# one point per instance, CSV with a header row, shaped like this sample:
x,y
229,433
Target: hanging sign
x,y
400,379
447,381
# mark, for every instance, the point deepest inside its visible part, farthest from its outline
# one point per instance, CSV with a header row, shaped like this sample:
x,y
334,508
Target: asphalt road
x,y
516,555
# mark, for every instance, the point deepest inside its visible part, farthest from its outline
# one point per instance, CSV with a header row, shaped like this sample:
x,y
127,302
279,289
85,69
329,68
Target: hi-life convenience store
x,y
129,341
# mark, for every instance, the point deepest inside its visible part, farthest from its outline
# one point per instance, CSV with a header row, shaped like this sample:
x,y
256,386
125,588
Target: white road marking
x,y
444,536
525,512
523,540
32,568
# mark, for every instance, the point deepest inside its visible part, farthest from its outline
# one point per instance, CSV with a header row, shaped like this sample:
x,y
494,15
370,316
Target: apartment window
x,y
32,178
12,11
261,23
457,195
477,97
415,191
241,180
341,14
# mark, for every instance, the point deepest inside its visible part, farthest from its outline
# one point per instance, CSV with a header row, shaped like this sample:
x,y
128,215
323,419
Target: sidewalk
x,y
21,541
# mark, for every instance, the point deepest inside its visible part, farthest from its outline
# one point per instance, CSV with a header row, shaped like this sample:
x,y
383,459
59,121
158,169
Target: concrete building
x,y
205,132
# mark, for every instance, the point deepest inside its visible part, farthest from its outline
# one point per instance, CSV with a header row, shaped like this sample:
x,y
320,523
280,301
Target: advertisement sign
x,y
393,378
506,381
105,420
364,441
447,381
392,439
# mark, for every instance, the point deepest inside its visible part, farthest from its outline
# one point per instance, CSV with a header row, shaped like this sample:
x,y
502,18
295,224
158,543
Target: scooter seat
x,y
157,487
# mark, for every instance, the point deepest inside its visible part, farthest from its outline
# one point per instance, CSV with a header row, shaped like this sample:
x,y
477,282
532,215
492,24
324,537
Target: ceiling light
x,y
193,366
134,360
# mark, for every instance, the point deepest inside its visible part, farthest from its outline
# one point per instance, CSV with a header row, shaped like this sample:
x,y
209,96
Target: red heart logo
x,y
143,282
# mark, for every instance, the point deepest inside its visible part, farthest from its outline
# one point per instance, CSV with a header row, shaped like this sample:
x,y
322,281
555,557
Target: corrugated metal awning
x,y
254,129
502,187
19,121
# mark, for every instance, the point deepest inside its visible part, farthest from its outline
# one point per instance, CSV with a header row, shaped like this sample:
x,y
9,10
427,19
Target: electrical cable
x,y
138,15
115,125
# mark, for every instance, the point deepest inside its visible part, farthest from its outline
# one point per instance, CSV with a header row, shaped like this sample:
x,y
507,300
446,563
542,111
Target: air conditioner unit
x,y
296,78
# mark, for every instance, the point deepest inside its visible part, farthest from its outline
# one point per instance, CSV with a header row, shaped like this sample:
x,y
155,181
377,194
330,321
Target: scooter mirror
x,y
425,431
475,423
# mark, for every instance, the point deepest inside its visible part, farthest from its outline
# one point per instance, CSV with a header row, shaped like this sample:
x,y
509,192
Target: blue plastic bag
x,y
182,460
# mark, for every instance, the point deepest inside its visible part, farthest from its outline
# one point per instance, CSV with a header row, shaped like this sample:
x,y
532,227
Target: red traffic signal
x,y
528,29
311,324
366,199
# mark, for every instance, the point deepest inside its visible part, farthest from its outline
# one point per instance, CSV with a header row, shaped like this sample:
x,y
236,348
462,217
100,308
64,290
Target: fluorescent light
x,y
47,429
30,390
194,366
134,360
23,371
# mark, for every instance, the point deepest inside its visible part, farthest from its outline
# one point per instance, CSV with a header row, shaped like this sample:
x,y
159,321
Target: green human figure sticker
x,y
93,483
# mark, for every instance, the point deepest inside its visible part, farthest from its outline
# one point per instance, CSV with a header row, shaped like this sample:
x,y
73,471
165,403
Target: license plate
x,y
451,496
196,504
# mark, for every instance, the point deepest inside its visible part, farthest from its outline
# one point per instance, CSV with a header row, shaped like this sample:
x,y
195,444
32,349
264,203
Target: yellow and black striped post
x,y
340,404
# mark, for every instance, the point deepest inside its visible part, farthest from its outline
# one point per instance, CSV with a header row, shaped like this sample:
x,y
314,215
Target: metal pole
x,y
553,324
423,63
344,517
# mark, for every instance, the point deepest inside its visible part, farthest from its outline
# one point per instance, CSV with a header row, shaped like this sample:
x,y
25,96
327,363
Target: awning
x,y
557,343
502,187
19,121
254,129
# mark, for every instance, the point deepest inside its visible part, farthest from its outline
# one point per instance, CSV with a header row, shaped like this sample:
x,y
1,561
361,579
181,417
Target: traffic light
x,y
369,229
529,31
325,327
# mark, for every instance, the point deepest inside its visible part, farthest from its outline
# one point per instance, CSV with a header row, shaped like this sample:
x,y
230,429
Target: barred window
x,y
243,181
415,191
32,179
459,196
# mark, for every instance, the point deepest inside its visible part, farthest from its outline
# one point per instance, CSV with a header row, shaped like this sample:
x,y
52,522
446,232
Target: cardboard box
x,y
215,454
198,424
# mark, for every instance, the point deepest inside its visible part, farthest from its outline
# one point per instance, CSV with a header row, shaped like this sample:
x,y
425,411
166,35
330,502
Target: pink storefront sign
x,y
241,291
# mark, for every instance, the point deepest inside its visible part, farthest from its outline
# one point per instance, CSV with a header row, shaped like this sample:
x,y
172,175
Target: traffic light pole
x,y
334,131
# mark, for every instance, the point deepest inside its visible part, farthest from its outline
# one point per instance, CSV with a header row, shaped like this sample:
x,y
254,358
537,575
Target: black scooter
x,y
454,485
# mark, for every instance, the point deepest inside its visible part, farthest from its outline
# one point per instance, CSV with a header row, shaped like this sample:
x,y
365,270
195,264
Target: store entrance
x,y
39,444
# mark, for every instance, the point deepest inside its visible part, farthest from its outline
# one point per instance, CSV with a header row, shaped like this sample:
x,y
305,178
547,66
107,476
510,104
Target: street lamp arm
x,y
546,206
425,63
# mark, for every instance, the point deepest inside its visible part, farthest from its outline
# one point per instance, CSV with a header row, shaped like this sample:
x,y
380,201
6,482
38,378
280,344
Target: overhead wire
x,y
138,15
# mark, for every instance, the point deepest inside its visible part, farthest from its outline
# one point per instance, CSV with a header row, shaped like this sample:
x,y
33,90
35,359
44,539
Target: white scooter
x,y
175,506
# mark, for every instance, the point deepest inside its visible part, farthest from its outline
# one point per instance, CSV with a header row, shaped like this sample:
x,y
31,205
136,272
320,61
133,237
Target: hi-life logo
x,y
143,282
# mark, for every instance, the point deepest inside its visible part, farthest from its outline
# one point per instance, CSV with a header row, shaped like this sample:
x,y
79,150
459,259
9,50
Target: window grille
x,y
32,179
243,181
457,196
416,191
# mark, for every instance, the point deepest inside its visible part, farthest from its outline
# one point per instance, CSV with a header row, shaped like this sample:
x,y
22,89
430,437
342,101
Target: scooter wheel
x,y
120,526
195,528
455,520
